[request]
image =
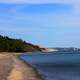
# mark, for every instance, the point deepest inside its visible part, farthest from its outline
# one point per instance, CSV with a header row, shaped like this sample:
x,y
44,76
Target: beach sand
x,y
12,68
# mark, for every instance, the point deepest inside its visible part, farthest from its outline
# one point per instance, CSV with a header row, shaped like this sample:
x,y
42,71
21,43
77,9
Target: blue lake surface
x,y
55,66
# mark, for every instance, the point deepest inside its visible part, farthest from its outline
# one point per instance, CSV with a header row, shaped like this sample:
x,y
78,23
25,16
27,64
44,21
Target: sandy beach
x,y
12,68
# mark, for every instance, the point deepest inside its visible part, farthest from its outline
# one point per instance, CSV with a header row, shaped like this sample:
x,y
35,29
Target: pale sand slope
x,y
12,68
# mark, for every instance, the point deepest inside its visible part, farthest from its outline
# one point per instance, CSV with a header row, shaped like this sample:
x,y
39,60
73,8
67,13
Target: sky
x,y
49,23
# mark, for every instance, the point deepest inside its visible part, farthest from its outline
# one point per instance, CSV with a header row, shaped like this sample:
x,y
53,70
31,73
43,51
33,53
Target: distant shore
x,y
12,68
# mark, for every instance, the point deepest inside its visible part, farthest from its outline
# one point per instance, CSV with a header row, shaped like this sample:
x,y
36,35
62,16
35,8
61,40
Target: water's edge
x,y
34,68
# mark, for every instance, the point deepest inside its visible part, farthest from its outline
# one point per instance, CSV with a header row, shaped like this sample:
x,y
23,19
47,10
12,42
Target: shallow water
x,y
56,66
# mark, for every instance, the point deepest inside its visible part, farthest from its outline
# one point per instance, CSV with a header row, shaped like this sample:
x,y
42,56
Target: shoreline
x,y
14,68
36,70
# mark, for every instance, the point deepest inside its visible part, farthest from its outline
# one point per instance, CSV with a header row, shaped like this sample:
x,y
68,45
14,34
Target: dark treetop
x,y
16,45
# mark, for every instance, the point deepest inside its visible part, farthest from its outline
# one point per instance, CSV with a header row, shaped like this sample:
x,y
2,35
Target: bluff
x,y
16,45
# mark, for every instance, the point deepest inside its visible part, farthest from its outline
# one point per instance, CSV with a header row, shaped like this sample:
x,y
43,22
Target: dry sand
x,y
11,68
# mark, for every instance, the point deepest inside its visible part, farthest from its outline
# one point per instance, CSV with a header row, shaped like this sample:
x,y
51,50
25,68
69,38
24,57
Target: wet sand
x,y
12,68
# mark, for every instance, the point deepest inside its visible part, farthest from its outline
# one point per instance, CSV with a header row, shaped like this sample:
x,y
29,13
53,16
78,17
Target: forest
x,y
16,45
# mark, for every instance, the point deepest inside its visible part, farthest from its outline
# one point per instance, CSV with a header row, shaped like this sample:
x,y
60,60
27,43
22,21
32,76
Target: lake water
x,y
56,66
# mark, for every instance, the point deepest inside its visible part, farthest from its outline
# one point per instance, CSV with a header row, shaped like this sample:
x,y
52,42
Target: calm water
x,y
57,66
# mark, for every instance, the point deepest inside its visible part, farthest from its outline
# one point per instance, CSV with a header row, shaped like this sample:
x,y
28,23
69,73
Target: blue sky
x,y
43,22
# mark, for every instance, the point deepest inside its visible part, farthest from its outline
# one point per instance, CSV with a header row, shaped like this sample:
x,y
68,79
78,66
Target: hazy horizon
x,y
44,22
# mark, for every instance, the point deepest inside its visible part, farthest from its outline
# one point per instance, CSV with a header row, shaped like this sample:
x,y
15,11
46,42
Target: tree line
x,y
16,45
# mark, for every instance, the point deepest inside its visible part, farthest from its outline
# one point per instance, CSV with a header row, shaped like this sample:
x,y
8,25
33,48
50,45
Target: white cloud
x,y
76,3
39,1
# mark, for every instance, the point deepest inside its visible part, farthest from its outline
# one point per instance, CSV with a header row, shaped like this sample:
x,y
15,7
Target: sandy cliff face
x,y
49,50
